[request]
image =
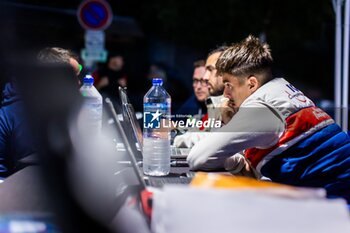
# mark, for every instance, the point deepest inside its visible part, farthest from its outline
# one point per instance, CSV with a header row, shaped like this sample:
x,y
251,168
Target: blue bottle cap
x,y
88,79
157,82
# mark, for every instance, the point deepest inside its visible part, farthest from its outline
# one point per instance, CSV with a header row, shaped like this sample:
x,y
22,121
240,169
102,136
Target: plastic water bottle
x,y
156,134
91,112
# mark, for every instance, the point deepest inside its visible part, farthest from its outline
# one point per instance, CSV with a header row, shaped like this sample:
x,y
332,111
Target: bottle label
x,y
156,115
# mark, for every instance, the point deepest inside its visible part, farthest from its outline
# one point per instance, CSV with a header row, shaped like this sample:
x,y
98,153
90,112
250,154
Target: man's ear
x,y
253,83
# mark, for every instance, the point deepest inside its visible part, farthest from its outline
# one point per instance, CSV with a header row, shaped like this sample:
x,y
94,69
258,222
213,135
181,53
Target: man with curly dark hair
x,y
285,137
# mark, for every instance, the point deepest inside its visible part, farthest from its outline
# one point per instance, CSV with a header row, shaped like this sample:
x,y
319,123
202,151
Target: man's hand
x,y
228,110
239,165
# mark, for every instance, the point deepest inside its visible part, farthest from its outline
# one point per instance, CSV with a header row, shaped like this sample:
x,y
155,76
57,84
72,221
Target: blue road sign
x,y
95,14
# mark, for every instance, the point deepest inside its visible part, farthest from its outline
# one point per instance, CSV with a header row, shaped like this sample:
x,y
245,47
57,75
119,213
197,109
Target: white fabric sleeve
x,y
189,139
255,125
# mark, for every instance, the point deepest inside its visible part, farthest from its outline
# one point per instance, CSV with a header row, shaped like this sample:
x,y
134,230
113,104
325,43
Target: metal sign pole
x,y
338,44
345,101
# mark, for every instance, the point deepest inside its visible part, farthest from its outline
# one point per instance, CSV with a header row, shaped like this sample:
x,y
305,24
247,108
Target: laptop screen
x,y
125,140
130,116
134,124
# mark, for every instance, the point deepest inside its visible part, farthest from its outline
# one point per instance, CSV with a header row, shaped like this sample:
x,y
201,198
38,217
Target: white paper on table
x,y
187,209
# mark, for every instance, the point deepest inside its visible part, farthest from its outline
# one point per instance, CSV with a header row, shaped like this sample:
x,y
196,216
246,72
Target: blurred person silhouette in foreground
x,y
80,184
15,137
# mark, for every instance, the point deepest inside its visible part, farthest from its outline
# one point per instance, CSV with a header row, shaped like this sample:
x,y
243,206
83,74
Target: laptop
x,y
130,117
177,175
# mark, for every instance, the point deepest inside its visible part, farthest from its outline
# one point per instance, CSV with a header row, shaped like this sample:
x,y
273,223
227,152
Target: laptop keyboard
x,y
160,181
179,151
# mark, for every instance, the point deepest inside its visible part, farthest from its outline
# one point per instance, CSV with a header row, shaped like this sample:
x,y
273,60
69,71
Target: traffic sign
x,y
94,55
94,40
95,14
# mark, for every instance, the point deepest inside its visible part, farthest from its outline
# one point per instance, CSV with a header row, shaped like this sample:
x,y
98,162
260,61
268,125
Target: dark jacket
x,y
15,142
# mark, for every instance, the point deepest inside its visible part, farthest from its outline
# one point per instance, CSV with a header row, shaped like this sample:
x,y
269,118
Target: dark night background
x,y
176,33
